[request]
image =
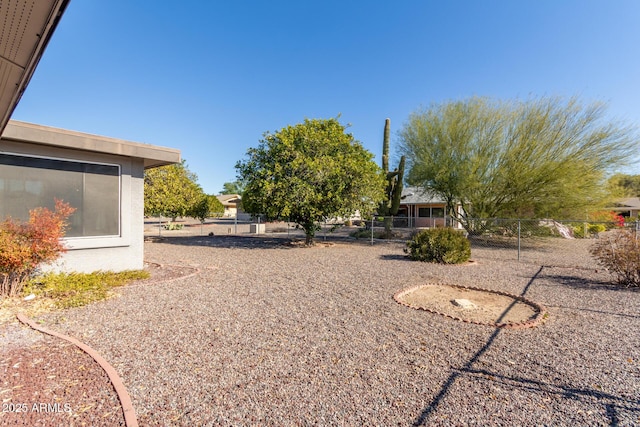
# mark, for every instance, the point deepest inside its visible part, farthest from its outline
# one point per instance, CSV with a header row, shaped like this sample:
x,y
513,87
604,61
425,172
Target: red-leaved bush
x,y
25,246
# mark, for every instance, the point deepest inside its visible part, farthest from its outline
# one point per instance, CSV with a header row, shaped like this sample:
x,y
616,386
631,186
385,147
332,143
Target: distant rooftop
x,y
418,195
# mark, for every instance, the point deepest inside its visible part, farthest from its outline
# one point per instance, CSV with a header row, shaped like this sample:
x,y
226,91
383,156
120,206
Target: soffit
x,y
25,29
29,133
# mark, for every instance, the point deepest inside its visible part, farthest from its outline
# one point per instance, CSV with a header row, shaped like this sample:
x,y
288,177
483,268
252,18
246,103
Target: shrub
x,y
365,233
592,230
619,253
608,218
26,246
442,245
173,226
596,229
78,289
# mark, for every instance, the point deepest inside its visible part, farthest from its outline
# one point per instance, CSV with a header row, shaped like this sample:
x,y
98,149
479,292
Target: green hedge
x,y
441,245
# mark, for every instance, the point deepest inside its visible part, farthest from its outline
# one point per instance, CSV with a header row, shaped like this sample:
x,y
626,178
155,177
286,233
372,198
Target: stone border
x,y
531,323
130,418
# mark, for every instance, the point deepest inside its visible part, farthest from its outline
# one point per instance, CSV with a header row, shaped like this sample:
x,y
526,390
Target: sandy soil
x,y
490,308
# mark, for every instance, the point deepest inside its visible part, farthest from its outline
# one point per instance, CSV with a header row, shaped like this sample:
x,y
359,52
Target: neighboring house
x,y
628,208
423,209
231,203
102,178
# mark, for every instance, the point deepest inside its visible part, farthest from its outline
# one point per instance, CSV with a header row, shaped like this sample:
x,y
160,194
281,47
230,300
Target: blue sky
x,y
210,77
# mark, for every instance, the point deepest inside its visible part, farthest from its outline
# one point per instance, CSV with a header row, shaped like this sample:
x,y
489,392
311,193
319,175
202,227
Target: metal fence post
x,y
372,219
519,222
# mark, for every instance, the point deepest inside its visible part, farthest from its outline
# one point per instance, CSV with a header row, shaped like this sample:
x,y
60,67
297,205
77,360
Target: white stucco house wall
x,y
101,177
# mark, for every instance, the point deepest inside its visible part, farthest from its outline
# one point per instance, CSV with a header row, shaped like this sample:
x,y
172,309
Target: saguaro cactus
x,y
389,207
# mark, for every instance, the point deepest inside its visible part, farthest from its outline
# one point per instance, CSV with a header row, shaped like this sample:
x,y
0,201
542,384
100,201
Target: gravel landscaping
x,y
270,333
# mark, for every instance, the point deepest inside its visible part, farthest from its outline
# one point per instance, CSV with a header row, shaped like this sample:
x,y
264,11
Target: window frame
x,y
95,241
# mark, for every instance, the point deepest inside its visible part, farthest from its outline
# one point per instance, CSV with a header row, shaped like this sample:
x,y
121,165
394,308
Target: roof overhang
x,y
30,133
27,26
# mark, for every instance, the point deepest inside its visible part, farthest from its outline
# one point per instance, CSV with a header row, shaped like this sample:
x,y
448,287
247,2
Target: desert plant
x,y
389,206
441,245
26,246
619,253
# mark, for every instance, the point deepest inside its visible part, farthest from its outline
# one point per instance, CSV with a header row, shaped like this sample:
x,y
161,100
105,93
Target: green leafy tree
x,y
308,173
208,206
234,187
171,191
625,185
537,158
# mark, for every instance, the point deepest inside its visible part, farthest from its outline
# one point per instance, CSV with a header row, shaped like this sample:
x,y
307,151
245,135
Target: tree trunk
x,y
388,225
309,232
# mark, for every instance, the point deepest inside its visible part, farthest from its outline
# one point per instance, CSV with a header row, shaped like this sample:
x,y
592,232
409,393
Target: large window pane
x,y
437,212
92,189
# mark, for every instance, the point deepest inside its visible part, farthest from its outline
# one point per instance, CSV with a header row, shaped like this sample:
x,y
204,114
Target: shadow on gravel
x,y
240,242
423,418
612,404
395,257
255,241
606,313
581,283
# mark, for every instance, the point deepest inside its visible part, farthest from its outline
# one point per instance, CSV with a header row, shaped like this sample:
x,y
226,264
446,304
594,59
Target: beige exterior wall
x,y
87,254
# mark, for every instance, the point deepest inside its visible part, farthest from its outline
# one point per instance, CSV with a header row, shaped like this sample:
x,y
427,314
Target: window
x,y
424,212
93,189
437,212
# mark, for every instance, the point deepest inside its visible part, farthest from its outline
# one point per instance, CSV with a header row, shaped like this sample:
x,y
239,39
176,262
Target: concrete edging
x,y
130,418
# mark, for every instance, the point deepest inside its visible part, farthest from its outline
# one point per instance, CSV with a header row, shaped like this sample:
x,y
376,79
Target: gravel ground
x,y
269,333
49,382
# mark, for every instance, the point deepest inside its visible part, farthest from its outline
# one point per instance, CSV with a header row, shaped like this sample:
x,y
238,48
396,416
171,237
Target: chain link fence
x,y
530,240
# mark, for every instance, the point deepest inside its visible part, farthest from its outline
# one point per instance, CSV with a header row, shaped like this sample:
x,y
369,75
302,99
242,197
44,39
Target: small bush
x,y
365,233
361,233
26,246
592,230
441,245
619,253
173,226
608,218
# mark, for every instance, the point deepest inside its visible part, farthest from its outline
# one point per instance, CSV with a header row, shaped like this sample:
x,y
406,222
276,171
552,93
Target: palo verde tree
x,y
308,173
625,185
391,203
235,187
539,158
171,191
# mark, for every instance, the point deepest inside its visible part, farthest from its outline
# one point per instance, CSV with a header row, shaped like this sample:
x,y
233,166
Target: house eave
x,y
22,45
152,155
